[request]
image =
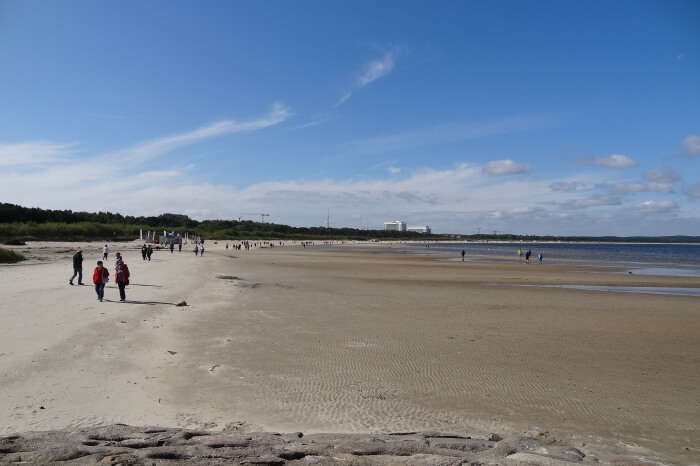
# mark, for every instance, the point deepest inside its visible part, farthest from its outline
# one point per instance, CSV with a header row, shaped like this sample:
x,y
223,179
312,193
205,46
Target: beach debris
x,y
213,368
123,322
227,277
494,437
182,303
172,352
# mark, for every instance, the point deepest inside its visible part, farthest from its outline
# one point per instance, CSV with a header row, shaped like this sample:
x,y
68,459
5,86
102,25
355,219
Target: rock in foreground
x,y
121,444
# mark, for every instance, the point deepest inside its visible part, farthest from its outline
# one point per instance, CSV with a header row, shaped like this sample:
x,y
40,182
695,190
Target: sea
x,y
638,258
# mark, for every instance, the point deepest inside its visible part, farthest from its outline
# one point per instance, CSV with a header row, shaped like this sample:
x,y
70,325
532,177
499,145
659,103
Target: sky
x,y
561,117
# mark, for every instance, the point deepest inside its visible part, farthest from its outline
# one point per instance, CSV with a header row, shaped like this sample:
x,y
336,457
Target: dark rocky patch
x,y
128,445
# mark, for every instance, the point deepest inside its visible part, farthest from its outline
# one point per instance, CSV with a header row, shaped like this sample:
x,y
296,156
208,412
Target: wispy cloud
x,y
656,206
376,69
159,146
506,167
692,145
663,175
33,153
611,161
593,201
315,122
372,71
445,133
624,188
693,191
566,186
54,174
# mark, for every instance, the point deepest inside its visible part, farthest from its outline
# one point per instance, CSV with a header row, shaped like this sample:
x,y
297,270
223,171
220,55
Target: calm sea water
x,y
666,259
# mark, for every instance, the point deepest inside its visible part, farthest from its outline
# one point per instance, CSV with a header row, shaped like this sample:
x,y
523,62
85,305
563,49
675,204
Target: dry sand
x,y
337,340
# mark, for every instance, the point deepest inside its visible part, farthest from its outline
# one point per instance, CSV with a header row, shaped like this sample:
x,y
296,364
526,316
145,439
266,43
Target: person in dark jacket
x,y
143,252
149,252
121,276
77,267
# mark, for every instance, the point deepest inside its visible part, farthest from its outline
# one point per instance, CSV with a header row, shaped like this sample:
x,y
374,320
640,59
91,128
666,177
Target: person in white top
x,y
105,252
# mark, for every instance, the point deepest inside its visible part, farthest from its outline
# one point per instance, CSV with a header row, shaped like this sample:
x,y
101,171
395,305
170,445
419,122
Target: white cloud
x,y
566,186
593,201
376,69
33,153
56,175
156,147
372,71
624,188
692,145
663,175
453,199
506,167
611,161
656,206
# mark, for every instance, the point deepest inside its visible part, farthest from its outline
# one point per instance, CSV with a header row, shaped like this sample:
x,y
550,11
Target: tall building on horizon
x,y
396,225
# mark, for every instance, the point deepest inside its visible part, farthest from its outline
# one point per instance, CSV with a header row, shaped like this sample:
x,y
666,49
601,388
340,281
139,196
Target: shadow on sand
x,y
131,301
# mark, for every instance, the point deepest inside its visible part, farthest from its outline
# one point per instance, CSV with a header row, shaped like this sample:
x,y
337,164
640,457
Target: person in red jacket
x,y
121,276
100,277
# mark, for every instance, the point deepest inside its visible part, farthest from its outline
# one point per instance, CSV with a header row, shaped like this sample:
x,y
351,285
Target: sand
x,y
337,340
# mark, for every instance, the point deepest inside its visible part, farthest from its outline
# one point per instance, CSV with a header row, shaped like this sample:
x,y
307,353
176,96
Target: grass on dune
x,y
9,257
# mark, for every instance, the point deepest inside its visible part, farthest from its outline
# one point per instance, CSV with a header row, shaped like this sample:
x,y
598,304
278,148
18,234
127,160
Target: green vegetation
x,y
19,223
9,257
14,242
23,224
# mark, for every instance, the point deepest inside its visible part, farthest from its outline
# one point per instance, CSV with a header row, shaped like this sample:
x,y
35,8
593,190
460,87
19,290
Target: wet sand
x,y
334,340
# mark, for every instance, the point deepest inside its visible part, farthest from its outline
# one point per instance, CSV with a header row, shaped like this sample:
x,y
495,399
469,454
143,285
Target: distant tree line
x,y
26,223
34,223
16,213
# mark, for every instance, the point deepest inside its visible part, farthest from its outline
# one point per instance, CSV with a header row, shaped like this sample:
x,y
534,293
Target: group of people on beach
x,y
527,254
146,252
199,248
100,276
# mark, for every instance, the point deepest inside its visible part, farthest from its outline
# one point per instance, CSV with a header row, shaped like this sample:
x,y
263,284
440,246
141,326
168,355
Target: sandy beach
x,y
336,340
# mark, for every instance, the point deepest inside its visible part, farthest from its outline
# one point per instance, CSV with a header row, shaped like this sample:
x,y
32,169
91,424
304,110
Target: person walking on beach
x,y
144,250
122,278
527,256
117,258
105,252
201,250
196,249
77,267
100,277
539,257
149,251
520,255
463,253
179,246
172,247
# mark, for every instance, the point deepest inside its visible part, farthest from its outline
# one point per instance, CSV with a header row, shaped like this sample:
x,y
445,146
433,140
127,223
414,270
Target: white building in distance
x,y
424,229
396,225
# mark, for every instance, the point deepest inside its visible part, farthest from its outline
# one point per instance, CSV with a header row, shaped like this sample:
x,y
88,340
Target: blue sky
x,y
526,117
